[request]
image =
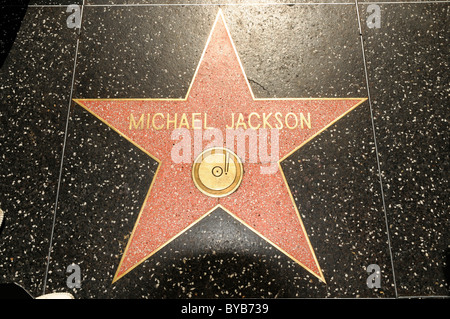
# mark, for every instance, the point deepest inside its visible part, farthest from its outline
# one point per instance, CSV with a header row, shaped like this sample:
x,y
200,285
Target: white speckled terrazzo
x,y
84,211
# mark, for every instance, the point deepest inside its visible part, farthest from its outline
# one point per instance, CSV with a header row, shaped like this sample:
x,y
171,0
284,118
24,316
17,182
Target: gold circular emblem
x,y
217,172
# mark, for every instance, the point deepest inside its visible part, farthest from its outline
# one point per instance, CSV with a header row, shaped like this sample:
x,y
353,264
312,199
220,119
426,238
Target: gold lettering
x,y
265,123
255,121
183,121
250,123
303,119
169,121
232,122
287,122
148,120
134,125
278,118
241,122
157,128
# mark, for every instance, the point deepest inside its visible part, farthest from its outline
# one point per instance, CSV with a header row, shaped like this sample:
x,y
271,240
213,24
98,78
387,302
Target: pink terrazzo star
x,y
173,204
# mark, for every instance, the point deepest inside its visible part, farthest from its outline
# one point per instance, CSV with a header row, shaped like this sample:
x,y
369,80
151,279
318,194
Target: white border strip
x,y
376,146
62,156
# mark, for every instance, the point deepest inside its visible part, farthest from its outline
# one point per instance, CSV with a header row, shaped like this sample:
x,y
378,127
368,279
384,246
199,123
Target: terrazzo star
x,y
218,178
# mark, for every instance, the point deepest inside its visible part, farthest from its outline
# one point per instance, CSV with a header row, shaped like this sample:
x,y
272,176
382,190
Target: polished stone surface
x,y
35,91
86,209
408,76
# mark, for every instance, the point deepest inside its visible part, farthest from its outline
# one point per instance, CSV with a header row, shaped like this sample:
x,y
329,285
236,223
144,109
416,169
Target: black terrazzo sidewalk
x,y
371,189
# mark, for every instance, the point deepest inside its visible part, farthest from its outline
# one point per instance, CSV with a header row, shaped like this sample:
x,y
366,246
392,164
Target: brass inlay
x,y
217,172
